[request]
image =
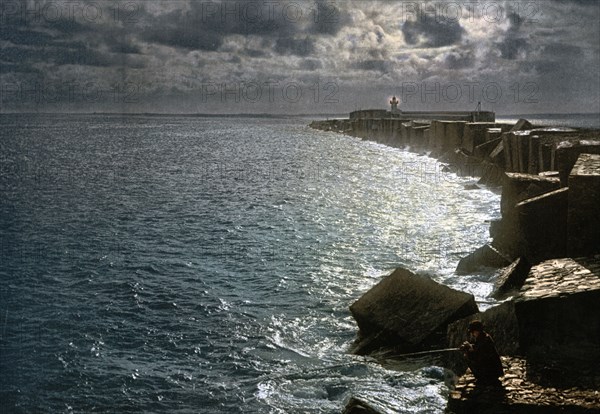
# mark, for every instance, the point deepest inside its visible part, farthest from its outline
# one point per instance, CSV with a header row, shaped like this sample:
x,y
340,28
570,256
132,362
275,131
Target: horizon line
x,y
242,114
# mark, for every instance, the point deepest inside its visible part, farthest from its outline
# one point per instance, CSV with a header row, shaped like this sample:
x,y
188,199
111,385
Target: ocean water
x,y
206,265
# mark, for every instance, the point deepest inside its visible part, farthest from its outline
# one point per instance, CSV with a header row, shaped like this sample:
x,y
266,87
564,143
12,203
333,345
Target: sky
x,y
299,57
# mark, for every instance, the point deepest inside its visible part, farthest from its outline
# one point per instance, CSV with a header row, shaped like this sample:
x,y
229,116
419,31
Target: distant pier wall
x,y
473,116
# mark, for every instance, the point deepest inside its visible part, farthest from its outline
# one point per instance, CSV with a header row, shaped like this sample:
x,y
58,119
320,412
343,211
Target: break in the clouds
x,y
298,56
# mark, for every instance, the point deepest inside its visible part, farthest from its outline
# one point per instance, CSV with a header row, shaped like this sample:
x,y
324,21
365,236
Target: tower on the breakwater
x,y
470,116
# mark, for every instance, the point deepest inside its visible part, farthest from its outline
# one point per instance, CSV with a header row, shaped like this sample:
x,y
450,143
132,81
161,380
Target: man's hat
x,y
476,326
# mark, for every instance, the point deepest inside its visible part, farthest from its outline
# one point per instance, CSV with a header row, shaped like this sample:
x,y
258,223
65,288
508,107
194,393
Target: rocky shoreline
x,y
547,245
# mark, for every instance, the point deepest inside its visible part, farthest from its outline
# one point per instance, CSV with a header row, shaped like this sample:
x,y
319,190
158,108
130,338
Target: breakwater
x,y
547,245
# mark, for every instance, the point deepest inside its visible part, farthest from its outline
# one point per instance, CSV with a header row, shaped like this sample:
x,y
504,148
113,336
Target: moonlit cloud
x,y
298,56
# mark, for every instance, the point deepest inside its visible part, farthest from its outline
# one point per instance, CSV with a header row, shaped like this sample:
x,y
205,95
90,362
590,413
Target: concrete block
x,y
417,137
474,134
584,206
408,312
542,221
439,132
520,150
404,134
485,150
558,310
518,187
463,164
486,256
567,154
511,279
521,125
545,157
493,133
453,131
492,175
533,163
507,149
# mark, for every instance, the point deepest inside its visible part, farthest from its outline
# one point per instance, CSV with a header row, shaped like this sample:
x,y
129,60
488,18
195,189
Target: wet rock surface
x,y
523,390
408,312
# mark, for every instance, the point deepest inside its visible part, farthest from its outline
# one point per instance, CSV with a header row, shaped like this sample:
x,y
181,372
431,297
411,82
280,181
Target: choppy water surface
x,y
166,264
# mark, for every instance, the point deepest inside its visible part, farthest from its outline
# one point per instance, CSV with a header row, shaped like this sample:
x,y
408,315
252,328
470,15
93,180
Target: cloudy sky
x,y
272,56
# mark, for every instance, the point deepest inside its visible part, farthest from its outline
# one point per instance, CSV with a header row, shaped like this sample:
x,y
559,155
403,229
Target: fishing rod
x,y
364,359
433,351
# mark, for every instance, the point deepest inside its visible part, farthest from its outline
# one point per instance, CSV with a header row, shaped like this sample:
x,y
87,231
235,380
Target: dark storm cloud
x,y
73,54
511,47
17,36
88,57
558,59
206,25
295,46
563,51
427,31
372,65
18,68
183,37
128,48
254,53
310,64
67,26
578,2
60,41
513,43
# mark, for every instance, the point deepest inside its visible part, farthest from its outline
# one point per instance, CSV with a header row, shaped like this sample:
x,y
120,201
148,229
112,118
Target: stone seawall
x,y
548,244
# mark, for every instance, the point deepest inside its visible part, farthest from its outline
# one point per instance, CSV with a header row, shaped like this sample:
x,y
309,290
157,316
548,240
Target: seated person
x,y
482,357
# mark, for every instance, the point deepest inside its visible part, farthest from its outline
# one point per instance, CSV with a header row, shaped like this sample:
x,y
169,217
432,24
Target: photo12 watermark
x,y
73,11
269,92
527,92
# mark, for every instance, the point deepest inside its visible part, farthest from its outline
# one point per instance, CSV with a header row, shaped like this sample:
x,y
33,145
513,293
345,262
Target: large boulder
x,y
407,312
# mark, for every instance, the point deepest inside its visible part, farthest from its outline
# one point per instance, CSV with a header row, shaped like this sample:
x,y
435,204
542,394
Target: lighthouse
x,y
394,103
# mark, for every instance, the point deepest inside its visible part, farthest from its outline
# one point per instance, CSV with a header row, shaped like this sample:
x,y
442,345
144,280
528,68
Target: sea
x,y
206,265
